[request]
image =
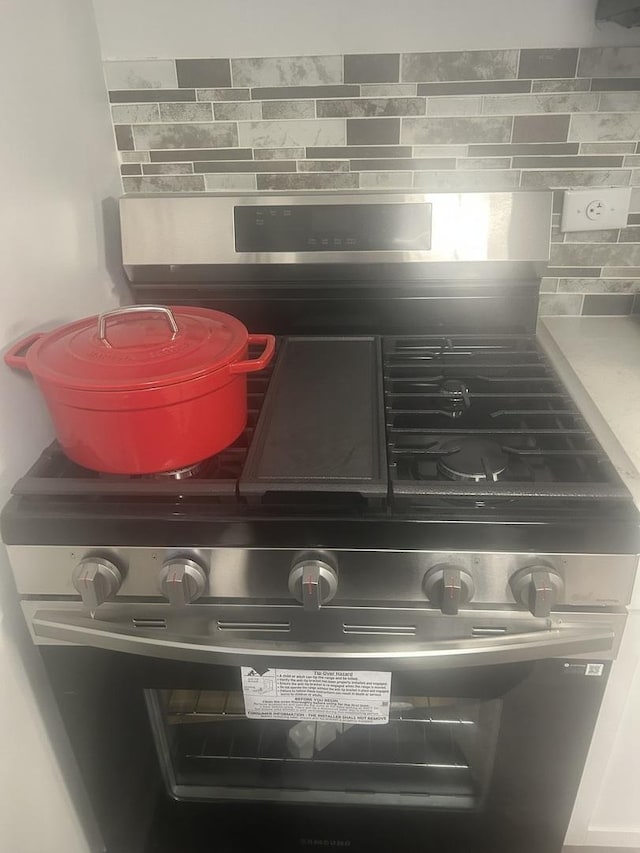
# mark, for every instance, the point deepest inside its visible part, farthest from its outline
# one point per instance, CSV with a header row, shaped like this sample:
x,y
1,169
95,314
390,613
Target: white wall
x,y
58,171
145,29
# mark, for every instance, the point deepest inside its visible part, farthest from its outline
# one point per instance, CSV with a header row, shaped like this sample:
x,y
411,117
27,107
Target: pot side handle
x,y
16,355
251,365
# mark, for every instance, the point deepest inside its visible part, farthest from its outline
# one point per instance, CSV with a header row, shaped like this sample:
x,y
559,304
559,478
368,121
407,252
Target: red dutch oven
x,y
144,389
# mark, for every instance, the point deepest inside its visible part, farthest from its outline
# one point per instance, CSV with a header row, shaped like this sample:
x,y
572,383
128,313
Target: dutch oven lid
x,y
138,347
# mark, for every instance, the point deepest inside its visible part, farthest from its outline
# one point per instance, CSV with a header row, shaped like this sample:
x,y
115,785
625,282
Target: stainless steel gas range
x,y
386,615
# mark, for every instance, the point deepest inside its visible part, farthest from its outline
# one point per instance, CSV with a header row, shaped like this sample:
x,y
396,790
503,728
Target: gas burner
x,y
474,459
187,473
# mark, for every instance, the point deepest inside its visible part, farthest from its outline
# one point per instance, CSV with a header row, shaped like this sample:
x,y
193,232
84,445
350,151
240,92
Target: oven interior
x,y
434,751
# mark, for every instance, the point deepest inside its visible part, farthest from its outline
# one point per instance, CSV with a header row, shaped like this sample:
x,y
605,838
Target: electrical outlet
x,y
595,209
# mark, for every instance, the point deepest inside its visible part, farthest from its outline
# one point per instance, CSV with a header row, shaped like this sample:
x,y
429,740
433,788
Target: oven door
x,y
478,754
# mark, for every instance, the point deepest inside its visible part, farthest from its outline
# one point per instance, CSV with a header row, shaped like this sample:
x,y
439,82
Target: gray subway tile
x,y
573,84
484,163
596,254
574,272
615,84
388,90
571,102
138,96
223,94
636,304
460,65
201,154
632,160
198,73
289,109
372,68
607,147
354,151
386,180
439,151
621,272
188,135
467,180
374,131
167,169
540,128
131,169
141,74
289,93
475,87
574,178
630,235
134,113
244,166
309,181
134,156
554,62
287,71
634,204
601,236
416,131
615,303
548,285
533,148
470,105
602,127
635,178
230,181
609,62
632,219
237,111
619,102
579,162
361,107
124,137
186,112
599,285
552,304
416,164
164,184
279,153
323,166
295,133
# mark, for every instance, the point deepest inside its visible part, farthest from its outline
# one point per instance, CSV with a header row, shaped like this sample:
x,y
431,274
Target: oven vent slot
x,y
382,630
149,623
281,627
488,631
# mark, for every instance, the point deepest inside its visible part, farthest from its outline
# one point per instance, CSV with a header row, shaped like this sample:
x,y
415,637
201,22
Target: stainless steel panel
x,y
559,640
327,639
190,229
247,575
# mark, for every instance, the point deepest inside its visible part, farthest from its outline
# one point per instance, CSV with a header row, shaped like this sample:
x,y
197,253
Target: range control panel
x,y
332,227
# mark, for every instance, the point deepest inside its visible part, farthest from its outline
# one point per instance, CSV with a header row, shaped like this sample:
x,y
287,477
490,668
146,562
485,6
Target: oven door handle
x,y
561,640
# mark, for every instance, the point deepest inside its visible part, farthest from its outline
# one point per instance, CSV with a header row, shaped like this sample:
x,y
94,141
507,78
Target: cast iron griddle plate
x,y
322,425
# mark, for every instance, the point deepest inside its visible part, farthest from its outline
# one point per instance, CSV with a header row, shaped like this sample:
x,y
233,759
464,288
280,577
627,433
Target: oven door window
x,y
435,752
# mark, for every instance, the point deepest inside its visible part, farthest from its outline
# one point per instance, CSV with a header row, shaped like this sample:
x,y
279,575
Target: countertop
x,y
598,358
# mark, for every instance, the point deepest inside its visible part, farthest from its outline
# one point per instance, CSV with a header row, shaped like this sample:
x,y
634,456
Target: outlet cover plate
x,y
595,209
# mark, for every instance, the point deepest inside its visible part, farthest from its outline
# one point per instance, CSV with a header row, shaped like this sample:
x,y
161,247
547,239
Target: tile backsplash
x,y
466,120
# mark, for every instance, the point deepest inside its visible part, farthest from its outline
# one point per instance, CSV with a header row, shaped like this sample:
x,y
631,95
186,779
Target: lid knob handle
x,y
135,309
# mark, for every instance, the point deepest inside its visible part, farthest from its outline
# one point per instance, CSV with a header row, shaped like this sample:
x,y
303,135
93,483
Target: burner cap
x,y
181,473
472,459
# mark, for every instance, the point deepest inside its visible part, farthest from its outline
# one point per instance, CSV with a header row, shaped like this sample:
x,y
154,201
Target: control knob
x,y
313,582
96,579
537,587
449,587
182,581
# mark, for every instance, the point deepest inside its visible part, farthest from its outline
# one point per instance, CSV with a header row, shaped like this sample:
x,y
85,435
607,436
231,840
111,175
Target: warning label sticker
x,y
317,695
